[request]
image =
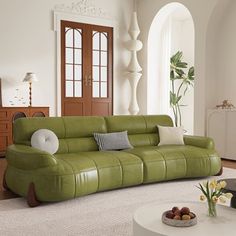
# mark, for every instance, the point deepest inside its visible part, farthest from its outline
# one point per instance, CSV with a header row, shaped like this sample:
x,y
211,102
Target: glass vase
x,y
211,208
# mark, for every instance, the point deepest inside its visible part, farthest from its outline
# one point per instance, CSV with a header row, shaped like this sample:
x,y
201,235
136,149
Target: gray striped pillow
x,y
112,141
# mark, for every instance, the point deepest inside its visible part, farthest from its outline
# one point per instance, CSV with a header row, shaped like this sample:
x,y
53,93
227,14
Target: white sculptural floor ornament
x,y
134,69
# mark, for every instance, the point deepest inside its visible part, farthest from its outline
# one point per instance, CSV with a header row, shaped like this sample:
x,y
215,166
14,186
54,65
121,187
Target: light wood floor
x,y
4,194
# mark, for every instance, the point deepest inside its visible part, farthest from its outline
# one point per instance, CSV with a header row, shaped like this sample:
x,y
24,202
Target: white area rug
x,y
101,214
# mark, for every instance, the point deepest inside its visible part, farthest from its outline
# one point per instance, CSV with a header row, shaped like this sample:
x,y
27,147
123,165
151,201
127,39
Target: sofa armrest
x,y
198,141
28,158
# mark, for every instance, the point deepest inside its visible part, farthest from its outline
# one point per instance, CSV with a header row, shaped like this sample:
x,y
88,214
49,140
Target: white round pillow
x,y
45,140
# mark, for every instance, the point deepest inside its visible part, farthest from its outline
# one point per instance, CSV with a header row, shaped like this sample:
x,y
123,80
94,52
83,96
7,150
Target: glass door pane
x,y
100,64
73,62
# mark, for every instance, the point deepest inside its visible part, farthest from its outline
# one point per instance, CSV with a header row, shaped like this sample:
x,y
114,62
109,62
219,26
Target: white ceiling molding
x,y
85,8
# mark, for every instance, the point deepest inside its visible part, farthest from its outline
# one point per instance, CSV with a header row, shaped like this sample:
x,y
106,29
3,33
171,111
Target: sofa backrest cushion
x,y
76,133
23,128
142,130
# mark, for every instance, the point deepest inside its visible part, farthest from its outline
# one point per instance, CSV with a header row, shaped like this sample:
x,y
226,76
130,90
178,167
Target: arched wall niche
x,y
147,10
172,30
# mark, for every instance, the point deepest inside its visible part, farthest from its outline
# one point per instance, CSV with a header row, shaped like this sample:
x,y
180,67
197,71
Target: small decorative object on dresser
x,y
225,105
7,117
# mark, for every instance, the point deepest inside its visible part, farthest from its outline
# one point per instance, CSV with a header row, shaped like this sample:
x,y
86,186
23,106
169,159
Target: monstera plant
x,y
181,78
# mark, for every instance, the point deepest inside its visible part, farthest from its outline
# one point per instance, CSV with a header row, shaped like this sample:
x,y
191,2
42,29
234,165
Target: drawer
x,y
3,115
4,126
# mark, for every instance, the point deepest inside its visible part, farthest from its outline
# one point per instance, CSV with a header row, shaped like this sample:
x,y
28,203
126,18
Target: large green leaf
x,y
174,99
176,58
191,73
179,72
181,64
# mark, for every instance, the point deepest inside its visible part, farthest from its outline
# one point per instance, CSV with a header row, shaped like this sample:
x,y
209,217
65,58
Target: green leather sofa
x,y
78,168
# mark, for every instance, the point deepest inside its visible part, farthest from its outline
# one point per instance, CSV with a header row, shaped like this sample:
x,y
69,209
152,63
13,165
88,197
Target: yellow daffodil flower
x,y
218,186
202,198
214,199
222,184
212,187
213,184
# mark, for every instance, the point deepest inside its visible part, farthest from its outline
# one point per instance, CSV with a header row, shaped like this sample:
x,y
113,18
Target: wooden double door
x,y
86,69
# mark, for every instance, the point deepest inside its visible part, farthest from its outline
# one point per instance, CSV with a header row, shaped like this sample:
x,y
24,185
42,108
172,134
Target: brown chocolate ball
x,y
186,217
170,214
185,211
175,209
177,217
177,213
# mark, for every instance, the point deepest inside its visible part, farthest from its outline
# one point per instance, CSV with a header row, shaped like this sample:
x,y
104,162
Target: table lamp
x,y
30,77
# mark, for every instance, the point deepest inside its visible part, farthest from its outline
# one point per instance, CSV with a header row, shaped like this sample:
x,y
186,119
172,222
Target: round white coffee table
x,y
147,221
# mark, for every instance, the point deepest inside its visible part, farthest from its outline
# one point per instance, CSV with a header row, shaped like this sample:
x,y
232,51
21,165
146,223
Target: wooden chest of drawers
x,y
8,115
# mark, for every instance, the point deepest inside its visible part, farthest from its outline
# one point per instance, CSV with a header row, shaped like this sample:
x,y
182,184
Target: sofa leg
x,y
31,196
4,183
220,172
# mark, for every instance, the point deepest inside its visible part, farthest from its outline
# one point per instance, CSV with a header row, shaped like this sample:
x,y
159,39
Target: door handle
x,y
90,80
86,80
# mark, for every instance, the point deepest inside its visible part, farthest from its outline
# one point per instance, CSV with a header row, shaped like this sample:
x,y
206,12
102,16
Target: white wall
x,y
215,56
159,40
201,11
226,56
28,43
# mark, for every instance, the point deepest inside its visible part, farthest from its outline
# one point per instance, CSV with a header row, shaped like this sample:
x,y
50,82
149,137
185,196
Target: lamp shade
x,y
30,77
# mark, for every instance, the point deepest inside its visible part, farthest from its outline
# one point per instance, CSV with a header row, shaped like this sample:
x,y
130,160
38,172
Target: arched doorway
x,y
172,30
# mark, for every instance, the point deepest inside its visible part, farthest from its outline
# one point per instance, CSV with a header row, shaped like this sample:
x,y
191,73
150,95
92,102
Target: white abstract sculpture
x,y
134,69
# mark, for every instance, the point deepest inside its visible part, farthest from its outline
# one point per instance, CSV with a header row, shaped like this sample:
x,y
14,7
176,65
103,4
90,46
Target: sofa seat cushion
x,y
172,162
98,171
154,168
200,162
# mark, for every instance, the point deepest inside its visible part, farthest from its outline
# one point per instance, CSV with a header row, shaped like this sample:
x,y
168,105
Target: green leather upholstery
x,y
78,168
29,158
203,142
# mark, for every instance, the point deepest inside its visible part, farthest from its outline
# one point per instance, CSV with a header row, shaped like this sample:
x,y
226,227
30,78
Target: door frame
x,y
58,17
